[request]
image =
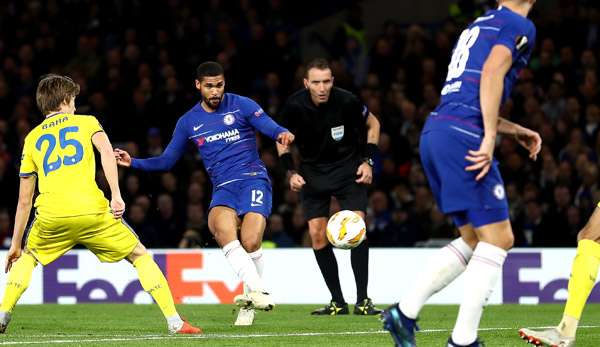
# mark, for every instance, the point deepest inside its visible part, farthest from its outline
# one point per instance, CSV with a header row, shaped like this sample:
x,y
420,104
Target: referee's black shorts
x,y
326,180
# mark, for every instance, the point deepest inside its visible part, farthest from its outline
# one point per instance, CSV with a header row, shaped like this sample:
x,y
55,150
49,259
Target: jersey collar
x,y
53,114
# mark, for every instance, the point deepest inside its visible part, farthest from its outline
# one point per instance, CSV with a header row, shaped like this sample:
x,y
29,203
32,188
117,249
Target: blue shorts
x,y
456,191
251,195
479,217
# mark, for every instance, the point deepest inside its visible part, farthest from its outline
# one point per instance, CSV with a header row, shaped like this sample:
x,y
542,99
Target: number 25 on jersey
x,y
64,143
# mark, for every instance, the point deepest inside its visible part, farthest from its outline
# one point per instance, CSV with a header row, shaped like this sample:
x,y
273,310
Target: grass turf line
x,y
143,325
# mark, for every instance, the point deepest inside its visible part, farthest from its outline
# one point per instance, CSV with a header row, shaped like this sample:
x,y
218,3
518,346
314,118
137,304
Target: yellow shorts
x,y
109,239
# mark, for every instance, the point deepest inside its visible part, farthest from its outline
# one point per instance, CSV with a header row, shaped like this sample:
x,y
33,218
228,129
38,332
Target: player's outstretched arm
x,y
490,94
26,190
266,125
109,166
527,138
270,128
163,162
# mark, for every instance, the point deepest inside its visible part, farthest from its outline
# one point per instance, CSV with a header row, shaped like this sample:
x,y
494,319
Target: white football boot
x,y
255,299
548,337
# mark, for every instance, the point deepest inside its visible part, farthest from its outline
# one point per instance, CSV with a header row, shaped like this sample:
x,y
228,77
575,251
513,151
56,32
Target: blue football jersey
x,y
225,139
460,94
456,125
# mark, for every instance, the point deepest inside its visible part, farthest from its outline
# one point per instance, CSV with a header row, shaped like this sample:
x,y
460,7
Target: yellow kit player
x,y
581,283
70,208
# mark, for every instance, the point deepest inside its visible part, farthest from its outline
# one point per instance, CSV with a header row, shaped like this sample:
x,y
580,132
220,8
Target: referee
x,y
331,126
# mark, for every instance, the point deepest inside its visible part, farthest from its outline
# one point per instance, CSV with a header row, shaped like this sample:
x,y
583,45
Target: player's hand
x,y
364,173
296,182
123,158
482,158
13,254
529,139
285,138
117,207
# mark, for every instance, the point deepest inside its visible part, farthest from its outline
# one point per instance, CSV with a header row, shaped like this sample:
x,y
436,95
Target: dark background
x,y
135,62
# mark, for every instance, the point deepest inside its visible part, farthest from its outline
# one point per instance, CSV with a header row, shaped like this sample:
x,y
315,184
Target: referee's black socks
x,y
359,257
329,269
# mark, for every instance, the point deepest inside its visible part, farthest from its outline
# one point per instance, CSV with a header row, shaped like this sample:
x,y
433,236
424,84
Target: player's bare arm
x,y
296,181
26,190
527,138
490,92
365,170
109,166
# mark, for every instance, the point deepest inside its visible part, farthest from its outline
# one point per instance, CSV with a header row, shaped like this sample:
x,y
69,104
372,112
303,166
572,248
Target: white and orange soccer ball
x,y
346,229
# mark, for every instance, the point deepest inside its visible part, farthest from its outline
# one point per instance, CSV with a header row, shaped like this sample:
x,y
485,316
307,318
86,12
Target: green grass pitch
x,y
287,325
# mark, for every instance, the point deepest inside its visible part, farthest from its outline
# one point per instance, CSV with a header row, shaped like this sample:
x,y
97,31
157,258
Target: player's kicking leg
x,y
583,278
223,222
251,234
154,282
443,268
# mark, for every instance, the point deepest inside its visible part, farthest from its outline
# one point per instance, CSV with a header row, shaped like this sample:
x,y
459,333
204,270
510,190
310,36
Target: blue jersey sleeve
x,y
261,121
171,154
517,37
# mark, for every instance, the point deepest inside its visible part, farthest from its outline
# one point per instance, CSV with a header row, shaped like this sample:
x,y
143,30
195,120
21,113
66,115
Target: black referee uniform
x,y
331,138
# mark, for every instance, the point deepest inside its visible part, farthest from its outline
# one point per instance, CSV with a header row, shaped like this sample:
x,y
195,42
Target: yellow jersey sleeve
x,y
93,125
28,166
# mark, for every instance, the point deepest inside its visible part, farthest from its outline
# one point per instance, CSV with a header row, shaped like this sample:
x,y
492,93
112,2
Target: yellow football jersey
x,y
60,152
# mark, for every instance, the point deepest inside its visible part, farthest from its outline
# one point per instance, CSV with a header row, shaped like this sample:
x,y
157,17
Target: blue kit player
x,y
222,126
457,147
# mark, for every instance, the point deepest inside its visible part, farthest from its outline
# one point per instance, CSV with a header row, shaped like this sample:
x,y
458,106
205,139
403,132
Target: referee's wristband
x,y
370,151
288,161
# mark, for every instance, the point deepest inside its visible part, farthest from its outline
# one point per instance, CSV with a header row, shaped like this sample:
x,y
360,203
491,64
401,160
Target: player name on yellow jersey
x,y
55,122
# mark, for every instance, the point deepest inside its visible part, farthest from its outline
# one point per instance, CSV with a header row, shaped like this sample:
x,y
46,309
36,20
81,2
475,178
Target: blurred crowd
x,y
135,63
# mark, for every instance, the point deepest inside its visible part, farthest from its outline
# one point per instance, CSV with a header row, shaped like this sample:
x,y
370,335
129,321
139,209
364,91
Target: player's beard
x,y
213,103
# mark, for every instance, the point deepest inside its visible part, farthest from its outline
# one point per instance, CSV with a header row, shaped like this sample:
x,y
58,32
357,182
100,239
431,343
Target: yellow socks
x,y
18,281
154,282
583,278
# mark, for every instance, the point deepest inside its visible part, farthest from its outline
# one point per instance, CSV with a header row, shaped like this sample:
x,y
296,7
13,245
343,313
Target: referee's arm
x,y
373,129
365,170
295,181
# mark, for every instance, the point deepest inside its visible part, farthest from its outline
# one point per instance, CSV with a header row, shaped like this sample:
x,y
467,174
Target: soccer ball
x,y
346,229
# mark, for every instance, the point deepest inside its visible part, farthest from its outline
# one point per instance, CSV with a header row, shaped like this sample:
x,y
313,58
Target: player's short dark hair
x,y
209,69
317,63
53,90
